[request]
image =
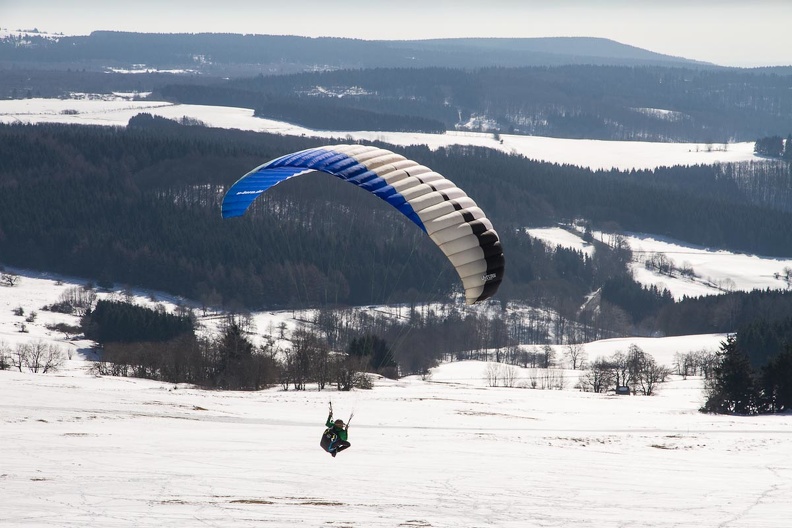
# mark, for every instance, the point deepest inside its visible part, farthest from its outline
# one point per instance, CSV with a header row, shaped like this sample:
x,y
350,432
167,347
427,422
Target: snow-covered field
x,y
715,271
85,451
582,152
446,451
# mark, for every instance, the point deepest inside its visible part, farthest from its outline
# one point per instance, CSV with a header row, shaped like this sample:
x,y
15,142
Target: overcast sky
x,y
726,32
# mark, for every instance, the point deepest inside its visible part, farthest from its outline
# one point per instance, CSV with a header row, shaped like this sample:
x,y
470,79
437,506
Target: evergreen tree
x,y
732,389
233,356
375,348
788,148
114,322
234,346
777,382
772,146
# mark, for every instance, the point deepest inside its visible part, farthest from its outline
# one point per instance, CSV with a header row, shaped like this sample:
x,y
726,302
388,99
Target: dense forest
x,y
141,206
23,83
774,147
611,103
738,387
229,54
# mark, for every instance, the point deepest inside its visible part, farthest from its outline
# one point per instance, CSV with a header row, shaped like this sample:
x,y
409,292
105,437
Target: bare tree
x,y
309,360
576,355
350,372
650,374
599,378
787,275
9,279
706,361
37,357
685,364
546,379
18,357
548,356
79,298
529,358
620,366
297,363
493,373
509,374
5,356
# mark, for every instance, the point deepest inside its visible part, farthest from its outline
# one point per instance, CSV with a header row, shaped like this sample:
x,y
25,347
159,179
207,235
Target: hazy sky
x,y
727,32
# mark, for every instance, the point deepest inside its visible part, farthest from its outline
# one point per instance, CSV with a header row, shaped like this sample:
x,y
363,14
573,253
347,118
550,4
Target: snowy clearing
x,y
595,154
82,450
715,271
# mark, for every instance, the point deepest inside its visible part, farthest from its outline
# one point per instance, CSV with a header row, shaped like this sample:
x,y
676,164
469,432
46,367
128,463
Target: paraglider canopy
x,y
440,208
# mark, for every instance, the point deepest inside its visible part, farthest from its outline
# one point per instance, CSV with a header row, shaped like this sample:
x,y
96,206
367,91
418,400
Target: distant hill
x,y
573,87
233,54
547,51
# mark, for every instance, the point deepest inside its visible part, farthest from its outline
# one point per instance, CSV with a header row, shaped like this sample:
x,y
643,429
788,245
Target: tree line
x,y
635,372
120,322
225,53
422,337
306,110
335,348
738,387
590,102
154,191
774,147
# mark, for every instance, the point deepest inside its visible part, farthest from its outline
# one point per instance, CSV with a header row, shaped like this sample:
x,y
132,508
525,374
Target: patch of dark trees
x,y
141,342
141,206
318,113
739,387
774,147
591,102
336,348
751,374
122,322
24,82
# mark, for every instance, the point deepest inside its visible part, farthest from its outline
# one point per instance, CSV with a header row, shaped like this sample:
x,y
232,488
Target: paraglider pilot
x,y
335,436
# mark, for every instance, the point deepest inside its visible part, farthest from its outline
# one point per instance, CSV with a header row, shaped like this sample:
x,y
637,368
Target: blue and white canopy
x,y
452,219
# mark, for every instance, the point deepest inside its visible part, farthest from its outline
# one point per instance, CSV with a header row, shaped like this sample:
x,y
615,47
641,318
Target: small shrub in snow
x,y
69,330
9,279
63,307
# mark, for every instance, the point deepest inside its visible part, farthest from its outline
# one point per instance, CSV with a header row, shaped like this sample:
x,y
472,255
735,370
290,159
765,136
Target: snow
x,y
26,33
446,450
557,236
594,154
659,113
142,68
716,271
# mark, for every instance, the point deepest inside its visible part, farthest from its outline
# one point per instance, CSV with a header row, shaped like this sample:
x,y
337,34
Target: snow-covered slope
x,y
595,154
85,451
714,271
